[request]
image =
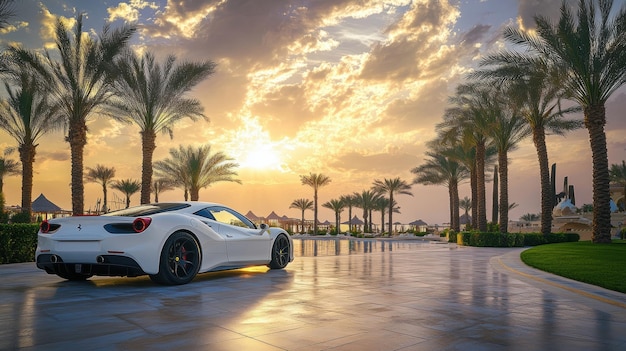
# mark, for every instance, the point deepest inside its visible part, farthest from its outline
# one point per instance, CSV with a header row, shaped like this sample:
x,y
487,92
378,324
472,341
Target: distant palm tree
x,y
8,167
591,49
466,204
80,83
617,175
441,170
530,217
337,206
315,181
102,175
152,96
366,200
26,115
391,187
196,168
302,205
128,187
160,185
350,202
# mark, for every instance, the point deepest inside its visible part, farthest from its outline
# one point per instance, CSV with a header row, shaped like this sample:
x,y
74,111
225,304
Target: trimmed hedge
x,y
509,239
18,242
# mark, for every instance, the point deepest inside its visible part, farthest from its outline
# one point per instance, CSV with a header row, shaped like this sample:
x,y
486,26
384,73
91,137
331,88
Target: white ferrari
x,y
170,242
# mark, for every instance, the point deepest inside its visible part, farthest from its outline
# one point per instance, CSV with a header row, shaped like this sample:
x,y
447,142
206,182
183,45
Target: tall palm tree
x,y
302,205
104,176
391,187
537,92
196,168
337,206
152,96
128,187
160,185
26,115
366,200
442,170
315,181
350,202
591,47
80,83
617,174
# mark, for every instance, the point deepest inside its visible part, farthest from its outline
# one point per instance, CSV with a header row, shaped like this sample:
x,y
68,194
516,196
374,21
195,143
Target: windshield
x,y
147,209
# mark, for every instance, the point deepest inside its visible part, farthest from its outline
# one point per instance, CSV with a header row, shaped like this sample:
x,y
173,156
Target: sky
x,y
351,89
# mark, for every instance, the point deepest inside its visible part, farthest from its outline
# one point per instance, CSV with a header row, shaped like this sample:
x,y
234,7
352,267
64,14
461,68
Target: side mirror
x,y
263,227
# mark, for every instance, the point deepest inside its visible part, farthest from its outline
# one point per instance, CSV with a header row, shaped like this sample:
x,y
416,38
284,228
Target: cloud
x,y
528,9
129,11
48,22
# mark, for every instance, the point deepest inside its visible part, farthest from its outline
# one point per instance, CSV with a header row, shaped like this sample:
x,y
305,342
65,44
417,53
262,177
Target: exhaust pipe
x,y
54,258
100,259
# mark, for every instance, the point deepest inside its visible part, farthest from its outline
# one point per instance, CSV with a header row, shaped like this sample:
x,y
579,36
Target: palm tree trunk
x,y
595,119
494,204
453,192
504,191
104,198
194,193
315,211
77,137
302,229
27,157
127,200
382,220
474,190
390,213
480,189
539,139
148,142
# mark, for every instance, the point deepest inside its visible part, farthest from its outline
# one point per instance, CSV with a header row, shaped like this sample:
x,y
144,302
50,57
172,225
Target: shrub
x,y
18,242
490,239
452,236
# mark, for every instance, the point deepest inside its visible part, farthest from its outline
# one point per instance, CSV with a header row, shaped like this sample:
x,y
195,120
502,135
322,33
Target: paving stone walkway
x,y
370,295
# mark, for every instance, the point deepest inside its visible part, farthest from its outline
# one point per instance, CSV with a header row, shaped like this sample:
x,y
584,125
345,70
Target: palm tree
x,y
442,170
530,217
196,168
591,49
160,185
366,200
80,83
350,202
617,174
8,167
391,187
302,205
315,181
102,175
152,96
26,115
337,206
128,187
537,93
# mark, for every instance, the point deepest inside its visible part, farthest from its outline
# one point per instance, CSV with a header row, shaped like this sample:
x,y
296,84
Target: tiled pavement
x,y
371,295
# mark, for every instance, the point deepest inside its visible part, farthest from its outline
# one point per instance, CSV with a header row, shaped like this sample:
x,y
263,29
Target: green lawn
x,y
597,264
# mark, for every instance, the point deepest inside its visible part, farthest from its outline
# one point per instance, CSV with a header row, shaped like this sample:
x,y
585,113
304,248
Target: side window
x,y
205,213
227,216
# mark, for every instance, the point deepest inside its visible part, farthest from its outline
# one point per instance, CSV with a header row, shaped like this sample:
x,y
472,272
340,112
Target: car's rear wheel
x,y
180,260
280,253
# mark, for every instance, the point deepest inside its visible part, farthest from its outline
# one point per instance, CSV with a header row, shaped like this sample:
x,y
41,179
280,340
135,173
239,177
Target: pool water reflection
x,y
335,247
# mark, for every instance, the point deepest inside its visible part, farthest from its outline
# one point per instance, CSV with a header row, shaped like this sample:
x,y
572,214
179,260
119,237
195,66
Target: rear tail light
x,y
45,227
141,224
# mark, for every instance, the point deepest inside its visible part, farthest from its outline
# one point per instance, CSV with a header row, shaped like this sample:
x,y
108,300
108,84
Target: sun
x,y
262,157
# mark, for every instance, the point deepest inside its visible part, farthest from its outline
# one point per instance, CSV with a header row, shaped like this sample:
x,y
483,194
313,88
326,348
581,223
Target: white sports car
x,y
171,242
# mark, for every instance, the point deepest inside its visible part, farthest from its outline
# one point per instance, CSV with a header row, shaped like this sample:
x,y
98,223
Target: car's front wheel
x,y
280,252
180,260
